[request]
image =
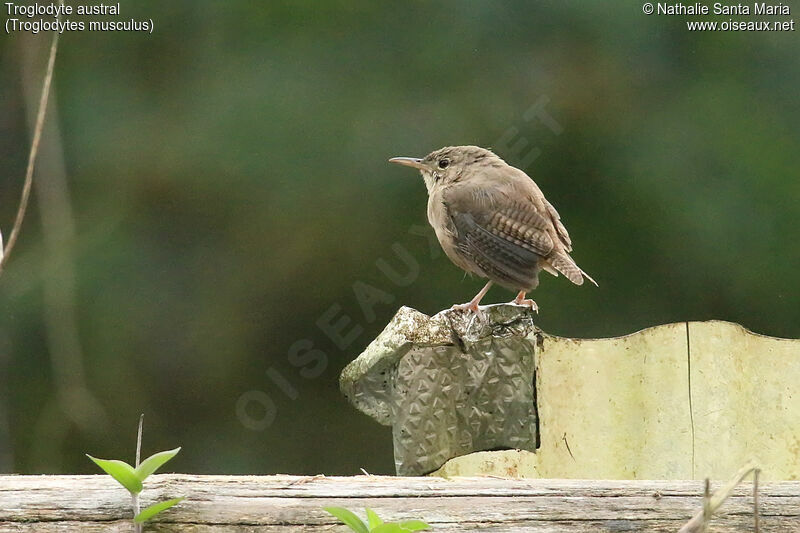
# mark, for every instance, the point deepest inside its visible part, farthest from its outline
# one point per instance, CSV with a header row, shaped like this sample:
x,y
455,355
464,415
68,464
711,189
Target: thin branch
x,y
756,527
37,136
699,521
137,528
706,505
139,441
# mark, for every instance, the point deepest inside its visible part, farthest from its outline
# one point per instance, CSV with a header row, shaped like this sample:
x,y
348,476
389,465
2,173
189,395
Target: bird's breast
x,y
446,233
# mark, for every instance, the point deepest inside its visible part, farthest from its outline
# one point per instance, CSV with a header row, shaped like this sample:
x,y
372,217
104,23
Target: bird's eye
x,y
444,163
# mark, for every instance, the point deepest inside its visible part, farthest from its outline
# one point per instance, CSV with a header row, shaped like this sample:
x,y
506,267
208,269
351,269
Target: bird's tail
x,y
590,278
567,266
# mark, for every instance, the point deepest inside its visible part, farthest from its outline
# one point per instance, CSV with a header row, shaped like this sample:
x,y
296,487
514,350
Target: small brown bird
x,y
492,220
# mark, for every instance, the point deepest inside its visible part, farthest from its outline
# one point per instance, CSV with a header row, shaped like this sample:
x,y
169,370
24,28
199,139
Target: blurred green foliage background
x,y
207,194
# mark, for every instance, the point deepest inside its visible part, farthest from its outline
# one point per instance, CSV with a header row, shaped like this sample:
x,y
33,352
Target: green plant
x,y
132,478
374,523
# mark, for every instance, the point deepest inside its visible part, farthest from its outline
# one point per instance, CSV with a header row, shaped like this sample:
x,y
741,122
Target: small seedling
x,y
132,477
374,523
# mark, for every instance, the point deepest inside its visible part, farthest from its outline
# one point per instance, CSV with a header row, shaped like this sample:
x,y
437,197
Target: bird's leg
x,y
473,304
527,302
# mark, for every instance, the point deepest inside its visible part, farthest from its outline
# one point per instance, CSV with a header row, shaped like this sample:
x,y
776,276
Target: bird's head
x,y
449,164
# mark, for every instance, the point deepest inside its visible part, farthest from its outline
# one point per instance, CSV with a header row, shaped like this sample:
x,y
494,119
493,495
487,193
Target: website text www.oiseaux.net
x,y
737,25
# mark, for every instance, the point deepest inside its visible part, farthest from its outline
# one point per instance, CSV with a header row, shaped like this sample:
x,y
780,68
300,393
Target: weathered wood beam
x,y
290,503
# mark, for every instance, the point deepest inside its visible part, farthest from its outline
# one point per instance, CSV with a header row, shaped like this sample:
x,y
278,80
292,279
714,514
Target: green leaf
x,y
121,471
154,462
415,525
390,527
373,518
348,518
156,508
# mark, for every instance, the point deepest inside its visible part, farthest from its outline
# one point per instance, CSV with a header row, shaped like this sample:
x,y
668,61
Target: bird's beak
x,y
409,162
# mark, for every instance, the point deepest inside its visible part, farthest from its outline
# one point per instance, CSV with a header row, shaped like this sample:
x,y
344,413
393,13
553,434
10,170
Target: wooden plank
x,y
734,525
289,503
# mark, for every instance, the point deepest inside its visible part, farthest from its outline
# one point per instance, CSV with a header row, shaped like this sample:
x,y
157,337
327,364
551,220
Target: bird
x,y
492,220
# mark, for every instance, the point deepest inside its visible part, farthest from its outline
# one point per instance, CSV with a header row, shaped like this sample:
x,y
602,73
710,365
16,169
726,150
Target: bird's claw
x,y
526,302
469,307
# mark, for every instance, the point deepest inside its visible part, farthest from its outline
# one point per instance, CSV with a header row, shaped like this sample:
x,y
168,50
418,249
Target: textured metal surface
x,y
450,384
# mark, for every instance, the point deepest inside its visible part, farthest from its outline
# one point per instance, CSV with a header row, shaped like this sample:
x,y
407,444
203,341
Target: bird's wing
x,y
559,259
523,186
563,235
506,237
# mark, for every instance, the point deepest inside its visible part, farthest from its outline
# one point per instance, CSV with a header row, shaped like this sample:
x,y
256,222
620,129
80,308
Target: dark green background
x,y
226,184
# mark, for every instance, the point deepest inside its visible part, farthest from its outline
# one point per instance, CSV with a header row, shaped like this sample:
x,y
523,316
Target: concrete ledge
x,y
679,401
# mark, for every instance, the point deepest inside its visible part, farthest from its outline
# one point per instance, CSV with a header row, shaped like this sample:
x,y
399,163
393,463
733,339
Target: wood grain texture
x,y
289,503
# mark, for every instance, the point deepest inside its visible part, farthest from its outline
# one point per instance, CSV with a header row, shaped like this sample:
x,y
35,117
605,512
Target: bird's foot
x,y
527,302
472,307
